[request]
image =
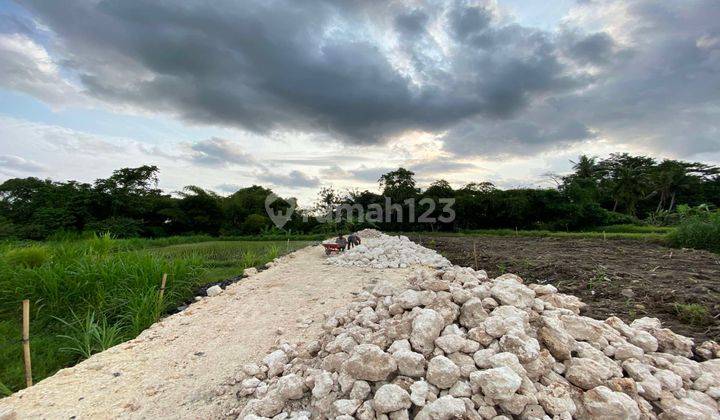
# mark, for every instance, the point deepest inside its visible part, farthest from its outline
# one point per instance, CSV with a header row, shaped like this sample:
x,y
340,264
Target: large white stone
x,y
391,397
426,327
510,292
368,362
410,363
444,408
497,383
442,372
604,404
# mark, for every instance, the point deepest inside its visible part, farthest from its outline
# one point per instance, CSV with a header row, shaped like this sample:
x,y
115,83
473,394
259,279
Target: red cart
x,y
331,248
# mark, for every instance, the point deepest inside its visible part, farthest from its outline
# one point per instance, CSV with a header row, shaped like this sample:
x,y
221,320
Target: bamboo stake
x,y
475,254
26,342
162,285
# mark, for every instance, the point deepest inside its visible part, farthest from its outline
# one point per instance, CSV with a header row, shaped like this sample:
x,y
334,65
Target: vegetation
x,y
621,189
693,313
90,294
700,231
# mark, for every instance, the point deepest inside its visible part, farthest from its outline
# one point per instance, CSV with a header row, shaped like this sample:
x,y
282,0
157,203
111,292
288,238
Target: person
x,y
341,241
353,240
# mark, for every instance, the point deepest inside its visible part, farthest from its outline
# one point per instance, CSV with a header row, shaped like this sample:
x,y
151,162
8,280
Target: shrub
x,y
699,232
28,257
614,218
118,227
89,335
254,224
7,231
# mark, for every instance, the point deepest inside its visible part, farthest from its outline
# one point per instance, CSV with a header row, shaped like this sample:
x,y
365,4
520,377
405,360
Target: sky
x,y
297,95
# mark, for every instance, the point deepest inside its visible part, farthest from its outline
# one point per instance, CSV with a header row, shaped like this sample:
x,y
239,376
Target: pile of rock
x,y
385,251
369,233
455,344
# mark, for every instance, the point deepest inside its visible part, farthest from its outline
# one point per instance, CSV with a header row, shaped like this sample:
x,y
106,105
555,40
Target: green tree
x,y
200,211
254,224
242,203
627,179
399,185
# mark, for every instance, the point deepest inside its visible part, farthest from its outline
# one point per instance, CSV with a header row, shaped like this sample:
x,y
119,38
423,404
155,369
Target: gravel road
x,y
184,365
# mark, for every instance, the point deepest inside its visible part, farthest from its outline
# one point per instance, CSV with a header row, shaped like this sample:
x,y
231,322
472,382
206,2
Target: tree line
x,y
619,189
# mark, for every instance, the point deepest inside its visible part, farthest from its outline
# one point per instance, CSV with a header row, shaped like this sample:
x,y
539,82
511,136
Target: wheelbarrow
x,y
332,248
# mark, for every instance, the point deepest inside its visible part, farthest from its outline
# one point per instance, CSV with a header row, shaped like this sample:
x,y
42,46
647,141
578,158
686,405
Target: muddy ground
x,y
627,278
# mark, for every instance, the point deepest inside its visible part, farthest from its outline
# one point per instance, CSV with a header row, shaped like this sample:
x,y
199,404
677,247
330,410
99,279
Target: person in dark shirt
x,y
341,241
353,240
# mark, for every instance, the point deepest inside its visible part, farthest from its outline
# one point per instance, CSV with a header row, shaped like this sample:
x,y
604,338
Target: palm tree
x,y
586,167
628,177
669,178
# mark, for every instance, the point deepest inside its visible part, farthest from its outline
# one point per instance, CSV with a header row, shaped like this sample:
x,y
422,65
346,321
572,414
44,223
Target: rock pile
x,y
456,344
384,251
369,233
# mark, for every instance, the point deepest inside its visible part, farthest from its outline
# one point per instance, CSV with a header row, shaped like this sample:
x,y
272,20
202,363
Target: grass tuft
x,y
28,257
692,313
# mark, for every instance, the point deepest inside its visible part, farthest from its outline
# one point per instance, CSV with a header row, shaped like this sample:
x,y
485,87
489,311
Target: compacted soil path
x,y
183,366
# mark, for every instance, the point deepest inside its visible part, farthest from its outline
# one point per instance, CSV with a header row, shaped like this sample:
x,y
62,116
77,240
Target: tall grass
x,y
88,295
634,229
699,232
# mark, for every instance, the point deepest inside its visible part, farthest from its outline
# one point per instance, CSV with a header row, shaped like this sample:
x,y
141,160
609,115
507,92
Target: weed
x,y
502,268
88,335
692,313
599,277
28,257
4,390
272,252
526,264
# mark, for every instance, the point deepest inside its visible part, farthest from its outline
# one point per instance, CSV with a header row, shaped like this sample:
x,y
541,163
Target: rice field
x,y
89,295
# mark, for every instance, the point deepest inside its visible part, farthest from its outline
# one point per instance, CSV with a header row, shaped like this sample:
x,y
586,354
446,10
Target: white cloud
x,y
26,66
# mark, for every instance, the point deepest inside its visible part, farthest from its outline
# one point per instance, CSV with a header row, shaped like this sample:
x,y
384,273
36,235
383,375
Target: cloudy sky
x,y
301,94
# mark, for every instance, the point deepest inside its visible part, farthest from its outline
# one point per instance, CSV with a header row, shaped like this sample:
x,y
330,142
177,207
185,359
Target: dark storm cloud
x,y
493,86
309,66
595,48
412,23
655,90
526,136
469,23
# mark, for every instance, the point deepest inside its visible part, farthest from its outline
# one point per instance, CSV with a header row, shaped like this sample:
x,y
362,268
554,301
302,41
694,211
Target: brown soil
x,y
626,278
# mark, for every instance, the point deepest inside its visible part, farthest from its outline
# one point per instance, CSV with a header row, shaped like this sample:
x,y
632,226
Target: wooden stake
x,y
162,285
26,342
475,254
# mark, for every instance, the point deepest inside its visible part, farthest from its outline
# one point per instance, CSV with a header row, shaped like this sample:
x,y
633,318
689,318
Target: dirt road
x,y
182,367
